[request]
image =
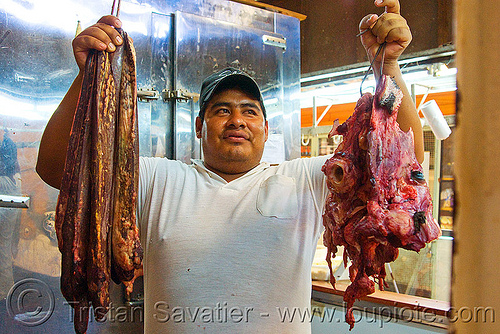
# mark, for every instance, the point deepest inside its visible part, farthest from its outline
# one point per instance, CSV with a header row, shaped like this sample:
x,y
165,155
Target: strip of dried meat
x,y
103,115
95,212
379,200
127,250
73,206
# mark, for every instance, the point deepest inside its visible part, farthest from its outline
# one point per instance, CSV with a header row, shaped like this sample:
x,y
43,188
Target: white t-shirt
x,y
231,257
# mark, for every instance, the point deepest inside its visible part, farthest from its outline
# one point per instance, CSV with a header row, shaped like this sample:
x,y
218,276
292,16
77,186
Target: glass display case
x,y
446,185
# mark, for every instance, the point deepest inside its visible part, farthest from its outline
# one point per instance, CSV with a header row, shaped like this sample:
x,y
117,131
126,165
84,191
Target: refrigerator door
x,y
206,45
161,137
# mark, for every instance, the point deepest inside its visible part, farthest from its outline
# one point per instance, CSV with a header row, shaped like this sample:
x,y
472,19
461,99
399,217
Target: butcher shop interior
x,y
311,68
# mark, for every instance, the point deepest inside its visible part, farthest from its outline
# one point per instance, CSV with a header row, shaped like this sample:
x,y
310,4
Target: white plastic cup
x,y
436,120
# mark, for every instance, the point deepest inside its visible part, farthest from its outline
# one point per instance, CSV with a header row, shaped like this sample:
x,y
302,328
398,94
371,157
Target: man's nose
x,y
236,119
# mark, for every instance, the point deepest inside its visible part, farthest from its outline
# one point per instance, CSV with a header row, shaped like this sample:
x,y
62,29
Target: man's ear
x,y
267,130
198,125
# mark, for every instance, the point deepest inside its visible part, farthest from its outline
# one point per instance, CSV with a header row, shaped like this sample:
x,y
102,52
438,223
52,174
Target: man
x,y
10,218
228,241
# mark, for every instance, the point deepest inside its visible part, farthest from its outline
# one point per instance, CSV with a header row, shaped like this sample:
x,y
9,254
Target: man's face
x,y
233,132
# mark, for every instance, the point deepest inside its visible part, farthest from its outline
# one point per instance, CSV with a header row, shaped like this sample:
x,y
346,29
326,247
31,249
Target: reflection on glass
x,y
10,184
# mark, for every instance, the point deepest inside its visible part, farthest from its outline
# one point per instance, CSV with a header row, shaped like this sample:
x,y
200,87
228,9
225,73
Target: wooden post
x,y
476,262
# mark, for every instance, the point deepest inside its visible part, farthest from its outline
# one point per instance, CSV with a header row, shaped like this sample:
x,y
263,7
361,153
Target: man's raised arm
x,y
391,28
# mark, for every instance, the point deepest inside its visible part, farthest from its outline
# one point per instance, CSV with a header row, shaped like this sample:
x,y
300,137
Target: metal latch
x,y
179,95
275,41
7,201
146,95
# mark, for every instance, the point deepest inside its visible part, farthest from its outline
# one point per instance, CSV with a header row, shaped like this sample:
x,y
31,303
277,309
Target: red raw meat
x,y
379,199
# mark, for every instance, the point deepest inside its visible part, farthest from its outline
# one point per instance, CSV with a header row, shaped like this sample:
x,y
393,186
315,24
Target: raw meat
x,y
379,200
95,214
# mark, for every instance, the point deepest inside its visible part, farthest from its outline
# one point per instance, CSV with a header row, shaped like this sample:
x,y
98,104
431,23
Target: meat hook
x,y
362,32
117,7
380,48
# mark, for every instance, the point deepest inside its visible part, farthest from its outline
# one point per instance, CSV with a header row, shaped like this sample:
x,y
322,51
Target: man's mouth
x,y
235,136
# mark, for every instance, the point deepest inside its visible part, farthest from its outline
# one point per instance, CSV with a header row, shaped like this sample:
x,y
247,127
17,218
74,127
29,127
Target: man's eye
x,y
251,112
223,111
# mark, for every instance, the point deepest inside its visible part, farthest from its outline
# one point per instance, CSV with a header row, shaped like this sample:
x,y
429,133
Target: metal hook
x,y
362,32
380,48
117,8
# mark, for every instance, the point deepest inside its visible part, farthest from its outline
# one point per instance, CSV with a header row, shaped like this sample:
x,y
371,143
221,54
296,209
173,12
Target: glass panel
x,y
446,184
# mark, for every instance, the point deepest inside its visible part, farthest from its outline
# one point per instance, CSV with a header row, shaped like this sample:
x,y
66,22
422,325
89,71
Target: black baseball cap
x,y
228,77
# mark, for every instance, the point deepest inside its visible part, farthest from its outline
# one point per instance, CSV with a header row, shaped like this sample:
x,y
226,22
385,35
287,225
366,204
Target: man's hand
x,y
390,27
100,36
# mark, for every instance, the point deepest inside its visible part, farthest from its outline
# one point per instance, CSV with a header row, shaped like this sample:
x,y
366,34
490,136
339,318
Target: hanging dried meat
x,y
379,200
126,247
95,214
